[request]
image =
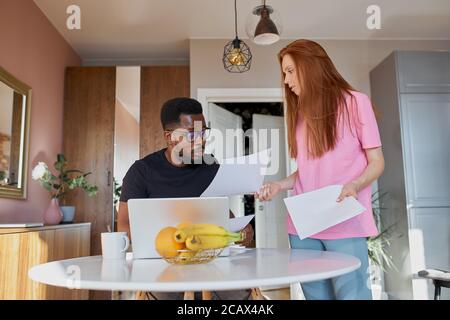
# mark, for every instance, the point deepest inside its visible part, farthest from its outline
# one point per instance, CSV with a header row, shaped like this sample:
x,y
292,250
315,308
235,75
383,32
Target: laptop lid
x,y
149,216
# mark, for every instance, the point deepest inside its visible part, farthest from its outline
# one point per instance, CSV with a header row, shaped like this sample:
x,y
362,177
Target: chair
x,y
441,278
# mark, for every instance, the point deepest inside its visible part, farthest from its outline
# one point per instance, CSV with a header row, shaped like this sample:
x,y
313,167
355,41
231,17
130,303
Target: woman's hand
x,y
349,190
268,191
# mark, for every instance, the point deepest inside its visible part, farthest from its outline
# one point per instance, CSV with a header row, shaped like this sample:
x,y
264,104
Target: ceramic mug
x,y
114,245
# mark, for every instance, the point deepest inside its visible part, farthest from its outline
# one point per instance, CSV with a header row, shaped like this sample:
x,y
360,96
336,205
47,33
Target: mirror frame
x,y
22,88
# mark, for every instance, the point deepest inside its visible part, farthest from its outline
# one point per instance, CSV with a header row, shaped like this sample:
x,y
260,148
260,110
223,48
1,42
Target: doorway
x,y
259,109
260,122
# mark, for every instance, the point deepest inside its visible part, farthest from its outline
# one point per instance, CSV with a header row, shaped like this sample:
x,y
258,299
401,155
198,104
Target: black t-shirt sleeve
x,y
134,186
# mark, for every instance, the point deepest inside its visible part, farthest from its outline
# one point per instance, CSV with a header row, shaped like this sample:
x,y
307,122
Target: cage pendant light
x,y
237,56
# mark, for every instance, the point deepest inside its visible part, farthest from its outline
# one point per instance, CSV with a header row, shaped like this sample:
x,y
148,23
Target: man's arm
x,y
123,221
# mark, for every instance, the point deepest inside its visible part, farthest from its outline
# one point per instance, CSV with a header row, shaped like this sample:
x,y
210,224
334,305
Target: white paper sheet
x,y
315,211
237,176
237,224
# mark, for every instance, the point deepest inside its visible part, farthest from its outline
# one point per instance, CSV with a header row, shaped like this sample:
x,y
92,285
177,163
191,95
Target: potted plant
x,y
59,185
3,176
117,193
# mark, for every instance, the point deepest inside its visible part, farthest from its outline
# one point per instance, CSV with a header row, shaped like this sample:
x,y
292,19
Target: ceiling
x,y
158,30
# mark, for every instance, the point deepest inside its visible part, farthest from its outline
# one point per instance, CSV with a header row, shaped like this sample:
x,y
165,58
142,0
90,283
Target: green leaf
x,y
47,185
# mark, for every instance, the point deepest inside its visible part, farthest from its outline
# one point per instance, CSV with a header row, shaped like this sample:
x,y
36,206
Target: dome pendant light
x,y
237,57
267,31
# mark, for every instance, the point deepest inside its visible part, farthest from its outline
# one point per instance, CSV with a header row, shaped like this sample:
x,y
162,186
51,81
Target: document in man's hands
x,y
237,176
237,224
315,211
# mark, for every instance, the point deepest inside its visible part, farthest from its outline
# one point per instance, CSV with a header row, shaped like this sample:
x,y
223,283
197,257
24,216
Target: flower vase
x,y
53,214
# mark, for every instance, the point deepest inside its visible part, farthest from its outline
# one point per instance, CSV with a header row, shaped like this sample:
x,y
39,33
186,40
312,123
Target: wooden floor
x,y
277,294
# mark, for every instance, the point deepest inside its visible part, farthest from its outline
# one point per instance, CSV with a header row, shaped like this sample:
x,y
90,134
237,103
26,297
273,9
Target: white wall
x,y
126,141
126,133
128,89
353,58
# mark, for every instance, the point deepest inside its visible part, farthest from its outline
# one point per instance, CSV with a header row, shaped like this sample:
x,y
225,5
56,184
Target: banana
x,y
200,242
184,224
182,234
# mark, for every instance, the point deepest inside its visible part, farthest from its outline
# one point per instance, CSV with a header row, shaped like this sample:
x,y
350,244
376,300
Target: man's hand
x,y
123,222
249,234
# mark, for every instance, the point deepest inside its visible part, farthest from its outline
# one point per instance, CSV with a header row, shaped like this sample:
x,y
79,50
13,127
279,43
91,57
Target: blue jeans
x,y
351,286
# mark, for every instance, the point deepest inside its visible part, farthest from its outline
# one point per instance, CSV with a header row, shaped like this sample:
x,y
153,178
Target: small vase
x,y
53,214
68,213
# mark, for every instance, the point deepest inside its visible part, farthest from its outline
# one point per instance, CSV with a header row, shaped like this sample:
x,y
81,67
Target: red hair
x,y
321,100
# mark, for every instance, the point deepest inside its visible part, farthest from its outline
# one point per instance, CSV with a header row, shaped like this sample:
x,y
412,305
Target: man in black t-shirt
x,y
180,170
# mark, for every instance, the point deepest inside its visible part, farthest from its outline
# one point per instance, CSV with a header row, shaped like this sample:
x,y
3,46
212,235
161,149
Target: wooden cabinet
x,y
89,129
158,84
89,112
89,118
22,249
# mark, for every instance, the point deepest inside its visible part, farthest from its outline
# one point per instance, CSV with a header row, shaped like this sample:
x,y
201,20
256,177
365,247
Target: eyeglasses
x,y
193,135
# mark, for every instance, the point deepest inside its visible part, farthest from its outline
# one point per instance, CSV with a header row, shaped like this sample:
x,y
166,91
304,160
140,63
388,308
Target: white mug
x,y
114,245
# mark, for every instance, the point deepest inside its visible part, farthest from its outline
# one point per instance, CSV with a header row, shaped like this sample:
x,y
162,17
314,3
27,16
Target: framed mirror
x,y
15,103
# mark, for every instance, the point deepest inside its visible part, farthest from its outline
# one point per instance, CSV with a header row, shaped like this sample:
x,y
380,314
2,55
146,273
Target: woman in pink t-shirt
x,y
333,135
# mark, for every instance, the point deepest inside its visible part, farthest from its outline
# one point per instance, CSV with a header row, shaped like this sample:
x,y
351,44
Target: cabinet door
x,y
24,250
429,237
425,120
158,84
424,72
89,113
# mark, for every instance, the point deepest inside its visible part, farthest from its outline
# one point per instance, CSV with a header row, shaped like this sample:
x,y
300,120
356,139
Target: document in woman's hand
x,y
315,211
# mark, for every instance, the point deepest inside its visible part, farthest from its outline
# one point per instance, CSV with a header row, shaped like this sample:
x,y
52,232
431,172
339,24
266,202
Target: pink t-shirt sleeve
x,y
366,123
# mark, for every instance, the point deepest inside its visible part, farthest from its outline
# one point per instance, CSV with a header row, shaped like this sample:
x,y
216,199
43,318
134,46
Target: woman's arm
x,y
288,182
374,169
271,189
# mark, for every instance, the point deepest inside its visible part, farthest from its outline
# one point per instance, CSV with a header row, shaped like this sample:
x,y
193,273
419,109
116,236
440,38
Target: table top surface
x,y
249,268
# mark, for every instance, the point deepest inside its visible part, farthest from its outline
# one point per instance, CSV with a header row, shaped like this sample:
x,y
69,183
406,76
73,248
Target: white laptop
x,y
149,216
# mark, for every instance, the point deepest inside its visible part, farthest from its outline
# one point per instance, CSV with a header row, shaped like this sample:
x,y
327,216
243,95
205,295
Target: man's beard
x,y
189,156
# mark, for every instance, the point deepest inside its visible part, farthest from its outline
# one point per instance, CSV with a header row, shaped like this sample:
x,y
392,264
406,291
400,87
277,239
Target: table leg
x,y
189,295
256,294
206,295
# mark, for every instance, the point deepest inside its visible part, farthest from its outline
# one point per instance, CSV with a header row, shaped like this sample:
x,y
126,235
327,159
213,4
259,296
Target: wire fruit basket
x,y
195,257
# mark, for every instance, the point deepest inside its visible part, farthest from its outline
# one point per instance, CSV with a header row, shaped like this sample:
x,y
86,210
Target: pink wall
x,y
33,51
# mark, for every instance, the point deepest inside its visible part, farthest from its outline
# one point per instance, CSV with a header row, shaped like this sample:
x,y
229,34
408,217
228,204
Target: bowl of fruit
x,y
194,243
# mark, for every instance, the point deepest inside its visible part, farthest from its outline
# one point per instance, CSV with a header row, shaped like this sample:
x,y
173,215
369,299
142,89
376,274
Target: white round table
x,y
249,268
